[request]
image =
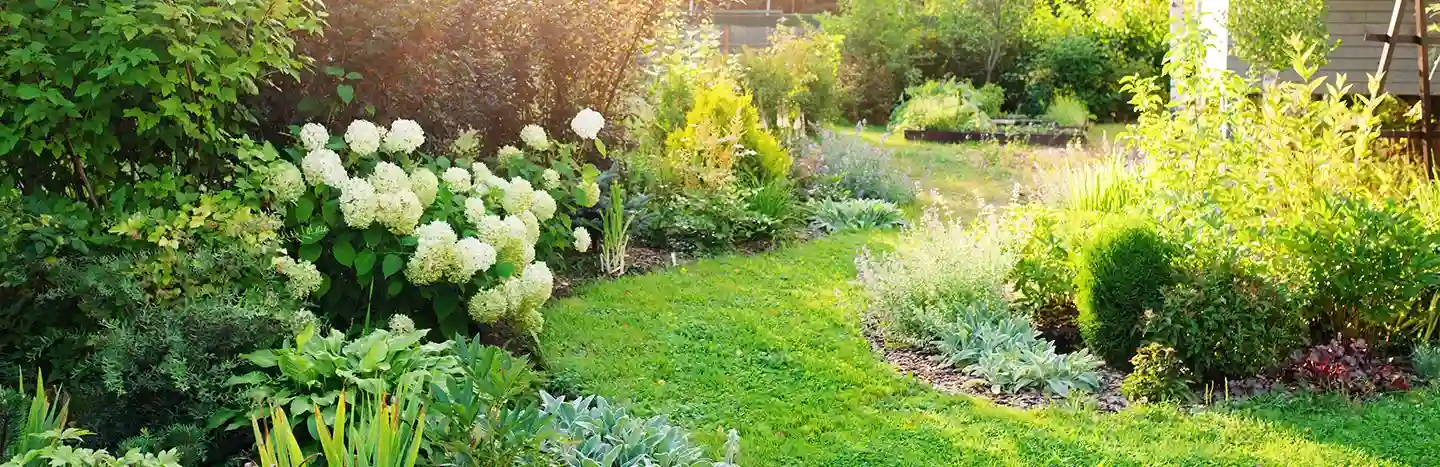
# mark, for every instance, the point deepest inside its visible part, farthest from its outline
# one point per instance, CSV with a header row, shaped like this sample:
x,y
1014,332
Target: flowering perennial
x,y
304,279
543,205
425,185
323,167
587,123
582,239
533,136
363,137
457,179
357,203
517,196
405,136
285,182
388,178
313,136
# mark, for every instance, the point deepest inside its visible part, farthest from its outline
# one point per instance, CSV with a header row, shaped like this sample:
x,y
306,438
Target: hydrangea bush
x,y
445,241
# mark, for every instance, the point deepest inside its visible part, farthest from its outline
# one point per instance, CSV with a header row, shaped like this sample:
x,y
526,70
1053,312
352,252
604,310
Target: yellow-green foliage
x,y
706,151
1121,275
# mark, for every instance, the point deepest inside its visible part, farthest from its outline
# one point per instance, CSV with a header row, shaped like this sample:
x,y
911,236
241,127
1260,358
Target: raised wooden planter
x,y
1037,139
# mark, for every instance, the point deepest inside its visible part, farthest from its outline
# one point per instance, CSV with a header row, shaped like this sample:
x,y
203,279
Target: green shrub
x,y
1159,376
1066,110
940,268
862,169
855,214
942,105
1426,360
1223,322
796,75
492,394
596,432
717,219
96,89
722,112
1121,276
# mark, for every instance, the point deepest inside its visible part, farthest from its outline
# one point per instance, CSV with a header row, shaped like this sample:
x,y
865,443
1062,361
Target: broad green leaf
x,y
364,262
445,304
346,92
310,252
344,253
373,237
392,264
504,269
304,208
394,288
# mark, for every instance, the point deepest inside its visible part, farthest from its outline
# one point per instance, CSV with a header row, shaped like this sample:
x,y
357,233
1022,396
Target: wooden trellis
x,y
1393,38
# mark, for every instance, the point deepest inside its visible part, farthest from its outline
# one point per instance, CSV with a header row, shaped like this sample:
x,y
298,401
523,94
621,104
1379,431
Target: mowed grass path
x,y
771,345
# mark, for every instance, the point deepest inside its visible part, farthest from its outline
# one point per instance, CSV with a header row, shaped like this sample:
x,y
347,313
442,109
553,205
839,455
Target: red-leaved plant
x,y
1346,366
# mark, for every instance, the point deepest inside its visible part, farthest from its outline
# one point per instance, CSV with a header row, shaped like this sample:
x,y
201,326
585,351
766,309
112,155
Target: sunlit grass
x,y
771,345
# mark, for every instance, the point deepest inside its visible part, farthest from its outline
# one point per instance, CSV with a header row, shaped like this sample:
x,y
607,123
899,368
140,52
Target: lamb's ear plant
x,y
614,233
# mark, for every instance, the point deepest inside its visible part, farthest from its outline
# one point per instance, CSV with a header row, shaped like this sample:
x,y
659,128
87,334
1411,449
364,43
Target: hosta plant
x,y
855,214
419,232
595,432
308,376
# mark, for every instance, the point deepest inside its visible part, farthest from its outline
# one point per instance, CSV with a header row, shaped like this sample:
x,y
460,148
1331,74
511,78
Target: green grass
x,y
771,345
958,172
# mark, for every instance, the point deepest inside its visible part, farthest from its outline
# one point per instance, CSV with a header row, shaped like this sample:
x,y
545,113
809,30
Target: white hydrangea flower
x,y
323,167
497,183
508,152
425,185
543,205
358,203
534,136
592,194
314,136
549,179
405,136
582,239
304,278
474,210
527,254
532,227
587,123
489,306
430,263
285,181
399,211
517,196
435,233
389,178
471,256
401,324
479,177
530,320
539,284
457,179
363,137
515,228
493,230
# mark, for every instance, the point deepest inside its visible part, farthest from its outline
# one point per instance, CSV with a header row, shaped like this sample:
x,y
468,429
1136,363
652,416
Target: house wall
x,y
1349,21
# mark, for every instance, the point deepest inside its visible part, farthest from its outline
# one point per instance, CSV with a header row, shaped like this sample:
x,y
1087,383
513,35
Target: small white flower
x,y
358,203
323,167
399,211
435,233
508,152
304,279
474,210
285,182
497,183
363,137
489,306
480,175
457,179
401,324
538,283
425,185
582,239
404,137
471,256
493,230
530,320
587,123
543,205
550,179
515,229
517,196
532,227
388,178
592,194
314,136
430,263
534,136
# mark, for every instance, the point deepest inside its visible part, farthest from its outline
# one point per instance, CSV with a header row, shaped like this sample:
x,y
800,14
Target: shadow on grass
x,y
1403,427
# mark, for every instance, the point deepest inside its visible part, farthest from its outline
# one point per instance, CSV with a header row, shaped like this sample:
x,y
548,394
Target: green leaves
x,y
364,262
346,93
393,263
343,253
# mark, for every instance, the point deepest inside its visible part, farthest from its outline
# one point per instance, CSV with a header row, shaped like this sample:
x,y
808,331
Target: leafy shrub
x,y
486,415
1109,187
1066,110
1426,360
1043,277
940,268
796,75
720,113
878,54
1368,263
403,239
309,374
1345,366
366,430
1221,321
864,170
703,220
1159,376
1008,353
942,105
599,433
856,214
41,434
97,89
1079,68
1121,275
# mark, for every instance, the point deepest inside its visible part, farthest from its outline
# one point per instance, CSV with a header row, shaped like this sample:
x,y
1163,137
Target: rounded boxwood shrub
x,y
1121,275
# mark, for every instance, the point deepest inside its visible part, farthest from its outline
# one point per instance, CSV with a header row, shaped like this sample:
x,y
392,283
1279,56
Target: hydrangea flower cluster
x,y
304,279
314,136
534,136
402,324
592,194
550,179
518,298
389,178
457,179
285,182
324,167
587,123
405,136
518,196
439,256
363,137
425,185
582,239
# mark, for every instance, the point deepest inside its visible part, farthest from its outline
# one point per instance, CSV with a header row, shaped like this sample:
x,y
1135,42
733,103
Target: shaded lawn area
x,y
771,345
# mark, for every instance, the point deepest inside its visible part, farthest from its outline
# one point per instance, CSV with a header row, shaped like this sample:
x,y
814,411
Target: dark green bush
x,y
1159,376
1224,322
1121,275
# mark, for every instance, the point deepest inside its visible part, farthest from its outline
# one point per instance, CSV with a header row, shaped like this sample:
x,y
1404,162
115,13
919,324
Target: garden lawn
x,y
771,345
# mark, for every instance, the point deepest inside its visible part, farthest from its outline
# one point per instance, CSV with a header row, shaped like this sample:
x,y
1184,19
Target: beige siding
x,y
1349,21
